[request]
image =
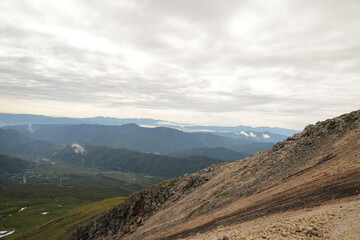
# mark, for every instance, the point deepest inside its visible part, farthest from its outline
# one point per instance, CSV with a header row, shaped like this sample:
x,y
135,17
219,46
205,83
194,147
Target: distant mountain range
x,y
126,160
148,140
258,134
106,158
157,151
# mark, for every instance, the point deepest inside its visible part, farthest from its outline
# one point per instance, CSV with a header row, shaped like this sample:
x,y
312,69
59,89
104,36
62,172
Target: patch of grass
x,y
197,209
62,227
224,194
218,194
163,182
46,198
220,164
170,183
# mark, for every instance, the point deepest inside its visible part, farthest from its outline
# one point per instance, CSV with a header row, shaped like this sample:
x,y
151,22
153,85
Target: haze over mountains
x,y
124,160
130,136
130,147
245,132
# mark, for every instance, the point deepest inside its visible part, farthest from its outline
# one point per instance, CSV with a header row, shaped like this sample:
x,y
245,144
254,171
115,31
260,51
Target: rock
x,y
310,233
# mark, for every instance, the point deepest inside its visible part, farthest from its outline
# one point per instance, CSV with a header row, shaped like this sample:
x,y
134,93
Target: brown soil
x,y
332,220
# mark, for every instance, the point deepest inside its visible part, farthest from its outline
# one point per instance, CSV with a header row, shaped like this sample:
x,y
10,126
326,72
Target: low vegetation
x,y
201,207
62,227
42,186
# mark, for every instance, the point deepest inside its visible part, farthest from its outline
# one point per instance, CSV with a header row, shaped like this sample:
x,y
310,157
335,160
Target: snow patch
x,y
44,213
22,209
6,233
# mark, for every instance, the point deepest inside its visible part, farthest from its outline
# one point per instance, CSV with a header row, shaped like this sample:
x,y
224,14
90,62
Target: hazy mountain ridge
x,y
124,160
9,166
279,133
21,119
309,168
131,136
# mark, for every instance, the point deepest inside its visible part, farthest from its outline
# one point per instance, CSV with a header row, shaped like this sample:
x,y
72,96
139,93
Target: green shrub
x,y
197,209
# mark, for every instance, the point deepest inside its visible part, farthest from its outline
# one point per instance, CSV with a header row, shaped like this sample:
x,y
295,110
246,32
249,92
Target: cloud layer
x,y
279,63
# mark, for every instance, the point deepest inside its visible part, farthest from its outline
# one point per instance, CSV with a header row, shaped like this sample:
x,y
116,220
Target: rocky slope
x,y
318,165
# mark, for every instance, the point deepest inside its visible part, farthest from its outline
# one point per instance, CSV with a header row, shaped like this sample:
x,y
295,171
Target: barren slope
x,y
320,164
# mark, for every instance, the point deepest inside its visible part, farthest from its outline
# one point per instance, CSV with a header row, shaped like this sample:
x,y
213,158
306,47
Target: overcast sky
x,y
275,63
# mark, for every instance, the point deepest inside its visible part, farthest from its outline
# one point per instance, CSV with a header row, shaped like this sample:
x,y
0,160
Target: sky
x,y
219,62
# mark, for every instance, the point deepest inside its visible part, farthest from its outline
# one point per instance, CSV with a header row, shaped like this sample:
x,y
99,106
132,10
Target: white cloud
x,y
147,126
78,148
265,136
253,135
242,133
250,134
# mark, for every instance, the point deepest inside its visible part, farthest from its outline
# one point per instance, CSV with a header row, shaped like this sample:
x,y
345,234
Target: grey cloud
x,y
202,56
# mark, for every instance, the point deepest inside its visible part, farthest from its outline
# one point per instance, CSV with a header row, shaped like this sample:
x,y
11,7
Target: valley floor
x,y
338,220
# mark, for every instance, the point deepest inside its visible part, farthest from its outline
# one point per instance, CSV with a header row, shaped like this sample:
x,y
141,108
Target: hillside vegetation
x,y
105,158
9,166
61,228
130,161
39,185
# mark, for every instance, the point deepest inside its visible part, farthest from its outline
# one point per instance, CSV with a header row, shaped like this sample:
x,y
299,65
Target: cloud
x,y
78,148
255,62
250,134
30,128
265,136
243,133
